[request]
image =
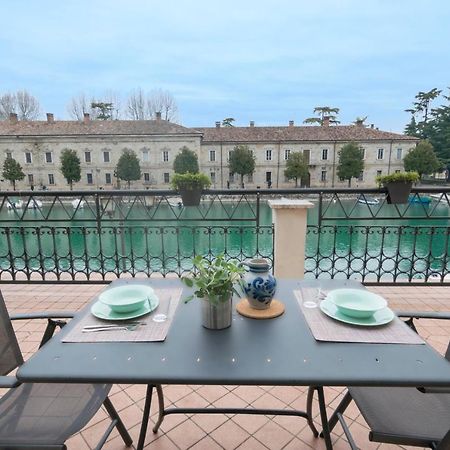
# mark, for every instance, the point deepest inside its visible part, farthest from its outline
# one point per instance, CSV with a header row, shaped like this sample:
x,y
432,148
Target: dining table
x,y
282,351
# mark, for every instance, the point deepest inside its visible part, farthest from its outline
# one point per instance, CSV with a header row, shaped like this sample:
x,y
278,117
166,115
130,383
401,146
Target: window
x,y
87,157
145,157
361,176
166,177
108,178
229,154
30,179
51,179
323,176
28,158
268,155
212,175
146,177
324,154
8,155
380,154
287,153
165,156
48,157
379,172
399,153
306,155
89,178
250,178
398,171
231,178
106,158
363,152
212,155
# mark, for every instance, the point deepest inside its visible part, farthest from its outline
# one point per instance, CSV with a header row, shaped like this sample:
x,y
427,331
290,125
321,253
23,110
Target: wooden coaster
x,y
276,309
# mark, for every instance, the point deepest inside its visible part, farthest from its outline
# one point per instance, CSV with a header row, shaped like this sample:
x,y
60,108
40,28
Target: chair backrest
x,y
10,354
447,354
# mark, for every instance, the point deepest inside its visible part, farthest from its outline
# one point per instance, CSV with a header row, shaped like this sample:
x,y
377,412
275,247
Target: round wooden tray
x,y
276,309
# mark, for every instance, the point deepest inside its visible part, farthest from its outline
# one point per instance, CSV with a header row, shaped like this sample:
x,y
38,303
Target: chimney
x,y
50,118
217,124
252,123
13,118
326,122
291,123
86,118
372,126
158,115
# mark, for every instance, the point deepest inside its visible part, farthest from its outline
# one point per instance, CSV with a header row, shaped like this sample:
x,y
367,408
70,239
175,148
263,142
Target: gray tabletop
x,y
279,351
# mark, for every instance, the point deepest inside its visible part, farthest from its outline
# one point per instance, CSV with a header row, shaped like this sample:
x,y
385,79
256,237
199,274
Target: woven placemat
x,y
276,309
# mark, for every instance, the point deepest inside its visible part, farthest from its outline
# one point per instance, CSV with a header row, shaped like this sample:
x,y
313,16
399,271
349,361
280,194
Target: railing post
x,y
289,218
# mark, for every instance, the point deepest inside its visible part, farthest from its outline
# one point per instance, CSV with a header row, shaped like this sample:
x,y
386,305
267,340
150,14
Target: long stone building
x,y
37,146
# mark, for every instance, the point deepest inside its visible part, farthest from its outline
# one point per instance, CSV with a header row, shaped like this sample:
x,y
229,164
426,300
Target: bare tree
x,y
137,105
163,102
81,104
25,105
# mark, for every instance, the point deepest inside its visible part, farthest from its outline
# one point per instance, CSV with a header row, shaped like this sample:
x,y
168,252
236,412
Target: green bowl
x,y
127,298
357,303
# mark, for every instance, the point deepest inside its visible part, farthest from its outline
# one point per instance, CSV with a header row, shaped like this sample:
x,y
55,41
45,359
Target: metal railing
x,y
95,236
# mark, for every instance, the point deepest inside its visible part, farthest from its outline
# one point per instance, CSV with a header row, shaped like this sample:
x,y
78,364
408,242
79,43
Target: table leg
x,y
323,418
160,408
145,416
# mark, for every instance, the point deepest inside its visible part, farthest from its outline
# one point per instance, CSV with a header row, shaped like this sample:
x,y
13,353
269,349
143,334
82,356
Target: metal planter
x,y
216,316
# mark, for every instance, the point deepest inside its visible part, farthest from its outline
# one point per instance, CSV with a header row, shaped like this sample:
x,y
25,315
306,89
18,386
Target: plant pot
x,y
191,197
259,284
398,192
216,316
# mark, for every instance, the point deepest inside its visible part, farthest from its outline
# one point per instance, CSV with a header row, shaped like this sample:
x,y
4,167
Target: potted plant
x,y
214,282
398,185
190,186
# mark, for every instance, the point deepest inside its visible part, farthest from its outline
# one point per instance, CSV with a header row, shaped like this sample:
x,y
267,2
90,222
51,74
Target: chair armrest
x,y
43,315
423,315
9,382
434,390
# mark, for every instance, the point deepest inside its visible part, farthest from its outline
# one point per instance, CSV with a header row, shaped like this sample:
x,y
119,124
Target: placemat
x,y
150,331
325,328
244,308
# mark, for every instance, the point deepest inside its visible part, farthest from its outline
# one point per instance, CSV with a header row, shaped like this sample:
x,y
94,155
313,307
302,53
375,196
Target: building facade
x,y
37,146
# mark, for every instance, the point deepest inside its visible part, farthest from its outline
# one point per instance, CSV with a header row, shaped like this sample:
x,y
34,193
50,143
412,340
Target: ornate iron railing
x,y
93,236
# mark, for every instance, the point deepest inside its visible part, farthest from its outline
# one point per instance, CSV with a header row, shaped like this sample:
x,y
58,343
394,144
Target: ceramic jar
x,y
259,283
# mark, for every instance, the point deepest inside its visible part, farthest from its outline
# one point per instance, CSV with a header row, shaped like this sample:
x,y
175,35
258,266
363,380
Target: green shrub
x,y
190,181
400,177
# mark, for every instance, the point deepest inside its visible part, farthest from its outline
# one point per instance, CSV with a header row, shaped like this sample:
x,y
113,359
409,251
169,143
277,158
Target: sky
x,y
266,61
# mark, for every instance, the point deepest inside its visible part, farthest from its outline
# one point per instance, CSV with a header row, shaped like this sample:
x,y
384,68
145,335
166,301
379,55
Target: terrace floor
x,y
210,432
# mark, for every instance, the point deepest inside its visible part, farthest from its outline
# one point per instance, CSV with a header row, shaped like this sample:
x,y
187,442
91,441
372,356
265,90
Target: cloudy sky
x,y
270,61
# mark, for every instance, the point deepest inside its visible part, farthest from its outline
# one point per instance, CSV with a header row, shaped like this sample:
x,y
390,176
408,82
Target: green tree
x,y
360,121
422,159
324,112
105,110
228,122
186,161
351,162
411,129
296,167
70,166
12,171
241,161
128,168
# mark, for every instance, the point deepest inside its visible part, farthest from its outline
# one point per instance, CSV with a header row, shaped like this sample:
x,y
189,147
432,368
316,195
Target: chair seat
x,y
419,419
48,413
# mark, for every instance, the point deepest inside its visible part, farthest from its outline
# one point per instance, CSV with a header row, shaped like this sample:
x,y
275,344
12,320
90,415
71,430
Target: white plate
x,y
381,317
102,311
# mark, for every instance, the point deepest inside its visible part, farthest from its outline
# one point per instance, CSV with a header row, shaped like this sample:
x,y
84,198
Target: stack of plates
x,y
125,302
357,307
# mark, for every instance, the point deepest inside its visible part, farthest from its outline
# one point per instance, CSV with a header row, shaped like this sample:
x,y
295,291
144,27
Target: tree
x,y
163,102
351,162
228,122
422,159
186,161
296,167
21,103
104,110
359,121
70,166
137,105
242,161
12,171
324,112
128,167
80,105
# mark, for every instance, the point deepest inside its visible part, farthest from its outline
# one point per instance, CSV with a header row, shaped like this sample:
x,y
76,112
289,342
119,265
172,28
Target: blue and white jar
x,y
259,283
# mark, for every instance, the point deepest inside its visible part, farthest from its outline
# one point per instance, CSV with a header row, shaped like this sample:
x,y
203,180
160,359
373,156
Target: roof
x,y
302,133
92,128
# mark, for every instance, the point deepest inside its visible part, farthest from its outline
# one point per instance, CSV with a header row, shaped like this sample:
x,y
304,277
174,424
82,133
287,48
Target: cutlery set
x,y
129,326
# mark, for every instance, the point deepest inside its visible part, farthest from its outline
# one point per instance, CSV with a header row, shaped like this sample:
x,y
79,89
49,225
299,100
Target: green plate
x,y
381,317
104,312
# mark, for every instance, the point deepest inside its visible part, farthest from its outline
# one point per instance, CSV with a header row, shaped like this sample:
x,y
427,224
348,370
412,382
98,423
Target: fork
x,y
131,327
113,325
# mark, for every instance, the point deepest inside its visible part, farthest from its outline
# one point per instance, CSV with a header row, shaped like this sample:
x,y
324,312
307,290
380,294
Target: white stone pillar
x,y
289,218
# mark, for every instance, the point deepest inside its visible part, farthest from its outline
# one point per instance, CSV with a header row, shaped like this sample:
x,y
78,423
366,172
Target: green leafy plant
x,y
190,181
215,279
399,177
